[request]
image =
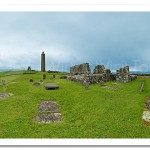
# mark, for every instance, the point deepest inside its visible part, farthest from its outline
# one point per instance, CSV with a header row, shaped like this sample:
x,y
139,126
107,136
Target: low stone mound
x,y
51,86
5,95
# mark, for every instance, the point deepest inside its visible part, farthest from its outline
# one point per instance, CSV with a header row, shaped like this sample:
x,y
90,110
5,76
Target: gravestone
x,y
48,112
31,80
5,95
41,81
4,86
3,83
101,82
86,84
48,106
36,83
51,86
44,76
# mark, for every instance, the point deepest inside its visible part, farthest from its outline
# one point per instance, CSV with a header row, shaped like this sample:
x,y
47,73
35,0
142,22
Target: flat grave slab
x,y
146,116
48,106
5,95
51,86
146,112
48,112
110,88
36,83
49,118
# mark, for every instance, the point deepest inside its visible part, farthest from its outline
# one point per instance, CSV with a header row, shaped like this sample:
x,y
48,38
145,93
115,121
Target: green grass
x,y
93,113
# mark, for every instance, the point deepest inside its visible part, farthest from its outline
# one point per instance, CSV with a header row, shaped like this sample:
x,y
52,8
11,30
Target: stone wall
x,y
80,69
123,75
82,73
91,78
99,69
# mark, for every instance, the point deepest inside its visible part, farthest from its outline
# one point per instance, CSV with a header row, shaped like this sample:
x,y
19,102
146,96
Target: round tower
x,y
43,62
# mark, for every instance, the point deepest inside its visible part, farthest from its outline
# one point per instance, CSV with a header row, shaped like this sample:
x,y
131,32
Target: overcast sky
x,y
114,39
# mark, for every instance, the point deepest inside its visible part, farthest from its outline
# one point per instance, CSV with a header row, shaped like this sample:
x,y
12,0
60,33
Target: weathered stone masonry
x,y
123,75
82,73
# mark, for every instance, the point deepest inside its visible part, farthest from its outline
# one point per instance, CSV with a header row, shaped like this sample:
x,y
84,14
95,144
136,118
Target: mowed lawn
x,y
93,113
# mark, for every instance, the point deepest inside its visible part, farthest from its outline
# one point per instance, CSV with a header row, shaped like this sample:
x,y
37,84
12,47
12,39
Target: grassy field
x,y
93,113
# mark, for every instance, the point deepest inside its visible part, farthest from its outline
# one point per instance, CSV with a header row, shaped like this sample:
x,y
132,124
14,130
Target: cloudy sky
x,y
114,39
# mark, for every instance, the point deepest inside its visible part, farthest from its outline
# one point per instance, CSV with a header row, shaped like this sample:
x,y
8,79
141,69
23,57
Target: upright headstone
x,y
4,85
43,62
44,76
31,80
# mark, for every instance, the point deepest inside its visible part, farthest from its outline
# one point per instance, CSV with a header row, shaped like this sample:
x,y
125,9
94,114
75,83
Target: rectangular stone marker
x,y
49,117
48,106
48,112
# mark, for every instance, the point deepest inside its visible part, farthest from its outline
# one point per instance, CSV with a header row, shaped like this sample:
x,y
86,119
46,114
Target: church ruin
x,y
123,75
82,73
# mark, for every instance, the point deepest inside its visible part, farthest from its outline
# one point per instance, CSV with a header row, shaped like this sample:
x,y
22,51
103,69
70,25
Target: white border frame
x,y
74,6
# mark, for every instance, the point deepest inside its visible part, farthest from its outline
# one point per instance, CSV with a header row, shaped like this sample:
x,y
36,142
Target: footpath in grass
x,y
94,113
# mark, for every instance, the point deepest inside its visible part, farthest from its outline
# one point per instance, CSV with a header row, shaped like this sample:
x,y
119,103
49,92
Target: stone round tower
x,y
43,62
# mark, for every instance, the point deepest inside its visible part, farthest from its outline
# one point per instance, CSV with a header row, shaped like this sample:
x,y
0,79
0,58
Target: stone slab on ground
x,y
110,88
48,106
36,83
48,112
146,116
5,95
51,86
146,112
49,117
